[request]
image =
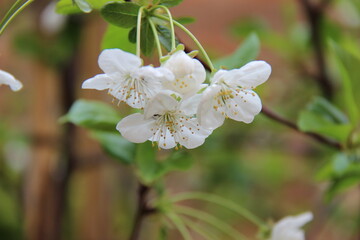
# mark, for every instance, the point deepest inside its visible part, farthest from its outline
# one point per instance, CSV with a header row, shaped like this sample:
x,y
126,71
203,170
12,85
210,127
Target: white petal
x,y
289,228
208,117
50,21
115,61
190,105
249,76
195,137
160,103
219,76
296,221
135,128
8,79
99,82
244,107
189,74
180,64
199,73
165,142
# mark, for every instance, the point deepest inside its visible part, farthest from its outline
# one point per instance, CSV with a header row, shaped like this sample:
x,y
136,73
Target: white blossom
x,y
167,121
126,78
289,228
50,21
189,74
8,79
231,95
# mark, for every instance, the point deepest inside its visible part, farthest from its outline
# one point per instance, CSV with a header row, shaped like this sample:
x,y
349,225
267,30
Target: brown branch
x,y
270,114
315,14
143,210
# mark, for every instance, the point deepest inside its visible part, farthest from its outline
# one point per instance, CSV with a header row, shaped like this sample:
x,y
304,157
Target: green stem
x,y
138,32
171,20
179,224
11,14
222,202
211,220
156,36
201,48
197,228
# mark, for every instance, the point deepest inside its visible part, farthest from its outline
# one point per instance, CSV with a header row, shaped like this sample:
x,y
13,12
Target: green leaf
x,y
92,114
132,35
147,40
164,34
150,169
178,160
145,159
68,6
83,5
323,107
247,52
185,20
116,37
340,185
116,146
170,3
121,14
324,118
341,58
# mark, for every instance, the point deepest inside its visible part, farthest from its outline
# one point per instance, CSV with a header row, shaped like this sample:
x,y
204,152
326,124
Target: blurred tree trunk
x,y
53,147
41,195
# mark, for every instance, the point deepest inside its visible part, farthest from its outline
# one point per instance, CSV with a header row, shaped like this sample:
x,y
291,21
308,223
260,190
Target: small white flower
x,y
8,79
50,21
126,78
230,95
167,121
189,74
289,228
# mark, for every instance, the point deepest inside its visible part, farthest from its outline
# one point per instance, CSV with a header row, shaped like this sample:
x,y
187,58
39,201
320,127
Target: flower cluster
x,y
177,107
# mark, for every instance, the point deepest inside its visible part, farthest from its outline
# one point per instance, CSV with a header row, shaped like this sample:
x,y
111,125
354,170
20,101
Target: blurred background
x,y
56,182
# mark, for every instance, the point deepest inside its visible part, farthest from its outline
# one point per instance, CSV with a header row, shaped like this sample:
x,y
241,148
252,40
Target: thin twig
x,y
270,114
143,210
315,14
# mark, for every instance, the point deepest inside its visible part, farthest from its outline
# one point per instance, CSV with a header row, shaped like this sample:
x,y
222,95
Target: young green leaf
x,y
247,52
121,14
145,160
323,107
349,80
324,118
164,34
132,35
116,146
92,114
185,20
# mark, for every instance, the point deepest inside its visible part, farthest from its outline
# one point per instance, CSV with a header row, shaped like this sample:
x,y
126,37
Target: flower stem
x,y
138,32
222,202
179,224
156,36
201,48
171,20
211,220
11,14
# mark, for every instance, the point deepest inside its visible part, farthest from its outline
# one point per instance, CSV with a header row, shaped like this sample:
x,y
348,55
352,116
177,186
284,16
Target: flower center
x,y
170,127
133,89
